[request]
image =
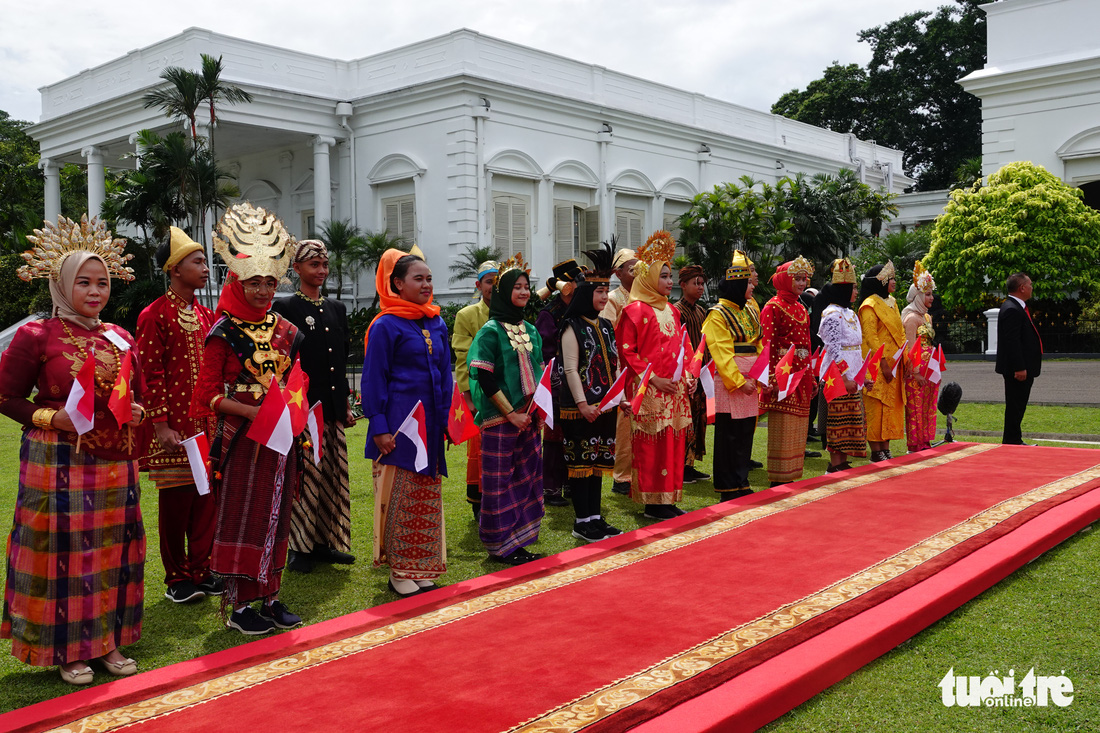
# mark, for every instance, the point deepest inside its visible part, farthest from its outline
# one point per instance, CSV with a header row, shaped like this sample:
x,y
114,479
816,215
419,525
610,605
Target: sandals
x,y
77,676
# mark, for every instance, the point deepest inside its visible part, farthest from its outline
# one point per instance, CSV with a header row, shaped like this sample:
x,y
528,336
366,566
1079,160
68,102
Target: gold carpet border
x,y
596,706
187,697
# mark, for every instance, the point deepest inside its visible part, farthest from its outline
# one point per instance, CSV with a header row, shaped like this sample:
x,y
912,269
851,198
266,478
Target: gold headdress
x,y
57,241
515,262
254,242
660,247
922,279
843,272
740,267
886,272
800,266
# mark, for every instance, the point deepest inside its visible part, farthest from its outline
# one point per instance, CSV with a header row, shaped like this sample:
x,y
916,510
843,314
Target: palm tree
x,y
375,245
467,264
180,99
213,91
345,243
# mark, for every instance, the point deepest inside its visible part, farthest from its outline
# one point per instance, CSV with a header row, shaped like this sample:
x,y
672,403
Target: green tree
x,y
180,99
465,267
968,173
901,248
910,99
1022,219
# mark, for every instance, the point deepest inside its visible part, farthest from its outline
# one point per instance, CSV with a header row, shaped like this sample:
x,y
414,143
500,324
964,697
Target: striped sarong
x,y
786,446
76,555
845,429
408,523
511,487
322,514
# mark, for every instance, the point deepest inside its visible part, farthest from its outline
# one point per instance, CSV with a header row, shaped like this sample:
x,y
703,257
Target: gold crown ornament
x,y
252,241
57,241
887,272
740,266
515,262
800,266
843,272
922,278
660,247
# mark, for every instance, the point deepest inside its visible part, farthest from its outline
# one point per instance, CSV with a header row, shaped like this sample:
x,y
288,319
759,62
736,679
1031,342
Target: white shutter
x,y
622,230
628,228
563,232
636,238
393,219
591,227
408,220
519,228
502,227
672,226
510,232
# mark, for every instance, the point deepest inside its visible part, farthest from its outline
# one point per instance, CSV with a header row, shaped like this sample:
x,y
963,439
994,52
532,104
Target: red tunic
x,y
784,323
170,342
42,355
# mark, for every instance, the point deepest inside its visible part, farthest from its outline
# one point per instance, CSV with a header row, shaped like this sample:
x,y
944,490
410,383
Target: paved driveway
x,y
1061,382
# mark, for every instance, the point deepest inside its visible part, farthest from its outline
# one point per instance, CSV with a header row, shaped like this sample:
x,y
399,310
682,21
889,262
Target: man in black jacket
x,y
1019,354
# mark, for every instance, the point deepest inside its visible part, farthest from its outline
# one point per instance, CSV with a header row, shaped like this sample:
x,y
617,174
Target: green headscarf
x,y
501,307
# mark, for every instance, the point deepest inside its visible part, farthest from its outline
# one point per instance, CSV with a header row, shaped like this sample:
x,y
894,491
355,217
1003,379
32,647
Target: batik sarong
x,y
920,414
409,534
786,446
322,513
844,426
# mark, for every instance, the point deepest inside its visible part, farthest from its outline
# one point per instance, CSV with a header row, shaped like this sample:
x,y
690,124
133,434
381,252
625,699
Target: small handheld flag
x,y
897,359
643,384
615,394
197,448
871,362
696,363
80,405
315,423
706,381
272,424
121,397
679,373
833,383
759,370
460,422
296,395
415,429
543,399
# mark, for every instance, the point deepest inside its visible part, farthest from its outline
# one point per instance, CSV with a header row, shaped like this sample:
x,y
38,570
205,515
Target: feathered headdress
x,y
57,241
602,266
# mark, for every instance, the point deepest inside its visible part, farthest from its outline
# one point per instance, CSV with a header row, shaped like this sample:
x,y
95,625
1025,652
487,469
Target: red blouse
x,y
784,324
642,341
42,355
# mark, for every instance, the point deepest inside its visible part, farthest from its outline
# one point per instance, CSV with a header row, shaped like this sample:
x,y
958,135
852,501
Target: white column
x,y
322,180
52,173
703,156
286,183
418,208
344,189
607,215
138,149
97,185
481,115
486,215
991,317
657,207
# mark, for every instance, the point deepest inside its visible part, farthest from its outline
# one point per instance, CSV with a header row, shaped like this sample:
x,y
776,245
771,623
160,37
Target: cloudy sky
x,y
743,51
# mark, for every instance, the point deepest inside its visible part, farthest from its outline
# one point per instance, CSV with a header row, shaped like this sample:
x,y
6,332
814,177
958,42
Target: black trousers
x,y
732,451
1016,395
585,493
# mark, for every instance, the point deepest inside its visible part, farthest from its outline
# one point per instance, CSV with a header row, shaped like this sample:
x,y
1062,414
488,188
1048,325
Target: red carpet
x,y
783,593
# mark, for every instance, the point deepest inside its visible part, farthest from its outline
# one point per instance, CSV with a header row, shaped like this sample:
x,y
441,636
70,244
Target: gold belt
x,y
255,389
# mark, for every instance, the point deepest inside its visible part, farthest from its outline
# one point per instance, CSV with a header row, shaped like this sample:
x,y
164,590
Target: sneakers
x,y
250,623
608,530
554,500
589,531
518,557
280,615
659,511
691,475
183,591
212,586
621,487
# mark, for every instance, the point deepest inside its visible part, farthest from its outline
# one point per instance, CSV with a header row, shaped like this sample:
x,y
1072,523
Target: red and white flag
x,y
415,428
316,424
543,399
684,342
297,397
197,448
272,424
121,397
80,405
643,385
897,358
817,363
696,364
759,370
615,395
936,364
786,380
706,382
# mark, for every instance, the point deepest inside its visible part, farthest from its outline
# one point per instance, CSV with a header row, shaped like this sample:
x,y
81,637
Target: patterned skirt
x,y
511,487
786,446
409,534
76,555
736,404
844,427
589,446
920,414
322,514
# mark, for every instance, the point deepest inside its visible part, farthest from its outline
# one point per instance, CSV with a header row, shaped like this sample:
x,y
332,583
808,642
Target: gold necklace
x,y
185,314
316,301
105,384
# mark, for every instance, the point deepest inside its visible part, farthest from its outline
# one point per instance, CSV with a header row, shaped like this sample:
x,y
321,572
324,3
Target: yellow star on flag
x,y
296,397
829,382
123,389
459,416
698,356
786,368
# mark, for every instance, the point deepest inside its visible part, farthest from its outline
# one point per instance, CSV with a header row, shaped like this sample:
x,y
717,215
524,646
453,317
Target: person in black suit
x,y
1019,354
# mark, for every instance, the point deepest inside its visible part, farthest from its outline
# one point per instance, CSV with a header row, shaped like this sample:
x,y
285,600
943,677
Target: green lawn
x,y
1044,616
1038,419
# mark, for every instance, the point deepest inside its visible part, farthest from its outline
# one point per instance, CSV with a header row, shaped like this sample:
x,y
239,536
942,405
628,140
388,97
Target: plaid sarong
x,y
511,487
76,555
321,516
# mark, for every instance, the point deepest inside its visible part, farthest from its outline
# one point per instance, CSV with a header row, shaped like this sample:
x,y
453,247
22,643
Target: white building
x,y
1040,89
454,141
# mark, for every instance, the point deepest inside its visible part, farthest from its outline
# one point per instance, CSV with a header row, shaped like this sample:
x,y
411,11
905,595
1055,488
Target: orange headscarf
x,y
392,303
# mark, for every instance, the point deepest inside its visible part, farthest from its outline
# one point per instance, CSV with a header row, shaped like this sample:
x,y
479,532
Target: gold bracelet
x,y
43,418
499,401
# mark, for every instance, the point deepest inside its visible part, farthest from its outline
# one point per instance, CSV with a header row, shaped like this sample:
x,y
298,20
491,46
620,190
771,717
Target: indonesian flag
x,y
415,428
197,448
897,359
121,397
696,364
643,385
460,422
543,399
706,381
817,363
615,395
833,386
871,362
759,370
296,394
80,405
272,425
315,422
936,363
676,375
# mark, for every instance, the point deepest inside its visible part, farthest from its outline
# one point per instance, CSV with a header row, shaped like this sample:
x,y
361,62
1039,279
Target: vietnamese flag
x,y
696,363
80,404
916,359
833,386
197,448
615,395
639,393
783,369
460,420
121,396
543,399
871,362
272,424
296,395
315,422
415,428
759,370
